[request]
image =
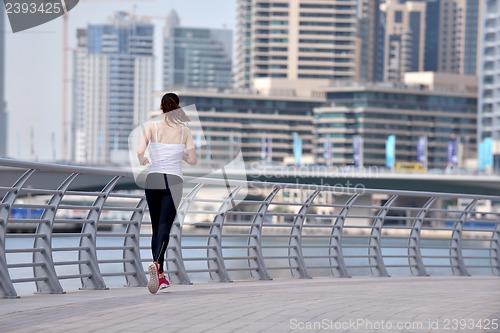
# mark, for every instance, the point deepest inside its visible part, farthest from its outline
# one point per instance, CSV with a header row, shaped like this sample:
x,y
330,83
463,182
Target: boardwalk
x,y
422,304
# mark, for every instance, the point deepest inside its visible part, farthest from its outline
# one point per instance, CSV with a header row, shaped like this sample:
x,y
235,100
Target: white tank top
x,y
166,157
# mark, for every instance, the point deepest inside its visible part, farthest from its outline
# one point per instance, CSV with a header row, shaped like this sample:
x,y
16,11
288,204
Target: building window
x,y
398,16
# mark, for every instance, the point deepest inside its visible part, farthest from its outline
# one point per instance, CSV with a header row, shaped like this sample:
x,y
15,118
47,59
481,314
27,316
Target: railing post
x,y
255,239
89,256
47,269
456,258
375,257
336,255
295,240
174,250
133,263
495,250
7,289
215,242
415,260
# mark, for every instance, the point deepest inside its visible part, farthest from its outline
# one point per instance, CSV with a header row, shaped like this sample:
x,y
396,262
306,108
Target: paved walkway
x,y
421,304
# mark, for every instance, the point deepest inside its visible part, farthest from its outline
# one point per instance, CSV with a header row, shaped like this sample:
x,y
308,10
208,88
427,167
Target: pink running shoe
x,y
164,283
153,283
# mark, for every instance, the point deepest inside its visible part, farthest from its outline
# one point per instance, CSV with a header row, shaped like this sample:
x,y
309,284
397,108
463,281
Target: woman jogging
x,y
170,142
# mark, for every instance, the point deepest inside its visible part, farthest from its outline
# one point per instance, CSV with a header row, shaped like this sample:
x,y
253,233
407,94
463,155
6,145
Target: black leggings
x,y
163,194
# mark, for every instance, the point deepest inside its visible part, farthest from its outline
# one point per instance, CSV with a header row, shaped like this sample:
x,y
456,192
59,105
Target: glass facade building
x,y
250,119
375,112
431,53
196,57
113,87
471,36
3,111
489,91
371,29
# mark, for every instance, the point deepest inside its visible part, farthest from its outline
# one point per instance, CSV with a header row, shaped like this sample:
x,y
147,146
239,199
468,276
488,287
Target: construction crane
x,y
66,49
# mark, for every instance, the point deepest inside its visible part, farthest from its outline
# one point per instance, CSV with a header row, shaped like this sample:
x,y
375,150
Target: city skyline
x,y
282,47
33,66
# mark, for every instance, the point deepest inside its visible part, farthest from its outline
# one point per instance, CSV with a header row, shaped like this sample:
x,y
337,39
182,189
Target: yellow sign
x,y
410,167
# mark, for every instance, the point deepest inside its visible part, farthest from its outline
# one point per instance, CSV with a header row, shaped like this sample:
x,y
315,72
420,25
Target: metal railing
x,y
64,227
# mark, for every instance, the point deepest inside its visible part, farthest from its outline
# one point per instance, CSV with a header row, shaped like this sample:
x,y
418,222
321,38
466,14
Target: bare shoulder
x,y
187,130
149,125
146,128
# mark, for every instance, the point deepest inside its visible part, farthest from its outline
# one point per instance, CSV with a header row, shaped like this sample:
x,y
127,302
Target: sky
x,y
33,65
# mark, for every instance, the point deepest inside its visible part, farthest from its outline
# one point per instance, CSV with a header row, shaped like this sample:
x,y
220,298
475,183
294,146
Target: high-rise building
x,y
458,35
3,111
296,40
364,34
400,36
81,110
489,83
196,57
371,32
113,87
432,35
404,43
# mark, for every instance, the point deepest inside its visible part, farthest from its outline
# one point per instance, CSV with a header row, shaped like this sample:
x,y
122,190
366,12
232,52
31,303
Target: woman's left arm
x,y
190,154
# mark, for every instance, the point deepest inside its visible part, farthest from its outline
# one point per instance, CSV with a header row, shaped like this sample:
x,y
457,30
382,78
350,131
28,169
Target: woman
x,y
170,142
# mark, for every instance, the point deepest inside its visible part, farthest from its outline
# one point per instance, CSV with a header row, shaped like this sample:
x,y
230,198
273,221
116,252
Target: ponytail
x,y
173,112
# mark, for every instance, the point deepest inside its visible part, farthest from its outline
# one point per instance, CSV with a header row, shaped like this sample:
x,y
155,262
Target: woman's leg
x,y
169,203
154,190
153,197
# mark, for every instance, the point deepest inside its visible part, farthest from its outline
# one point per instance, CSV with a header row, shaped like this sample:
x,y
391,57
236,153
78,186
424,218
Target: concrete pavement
x,y
396,304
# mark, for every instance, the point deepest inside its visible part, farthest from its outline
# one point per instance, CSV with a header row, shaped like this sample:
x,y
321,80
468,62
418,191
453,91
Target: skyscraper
x,y
404,43
365,36
3,112
296,40
458,36
196,57
432,35
113,87
372,33
418,35
472,36
489,83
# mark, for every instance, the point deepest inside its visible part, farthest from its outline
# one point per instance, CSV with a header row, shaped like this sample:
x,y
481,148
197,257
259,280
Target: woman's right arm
x,y
143,144
190,154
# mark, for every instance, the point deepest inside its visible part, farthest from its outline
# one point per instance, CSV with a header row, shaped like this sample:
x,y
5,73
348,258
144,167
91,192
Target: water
x,y
355,258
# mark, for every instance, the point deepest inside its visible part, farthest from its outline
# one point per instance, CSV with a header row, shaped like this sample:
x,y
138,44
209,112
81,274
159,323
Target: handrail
x,y
294,230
